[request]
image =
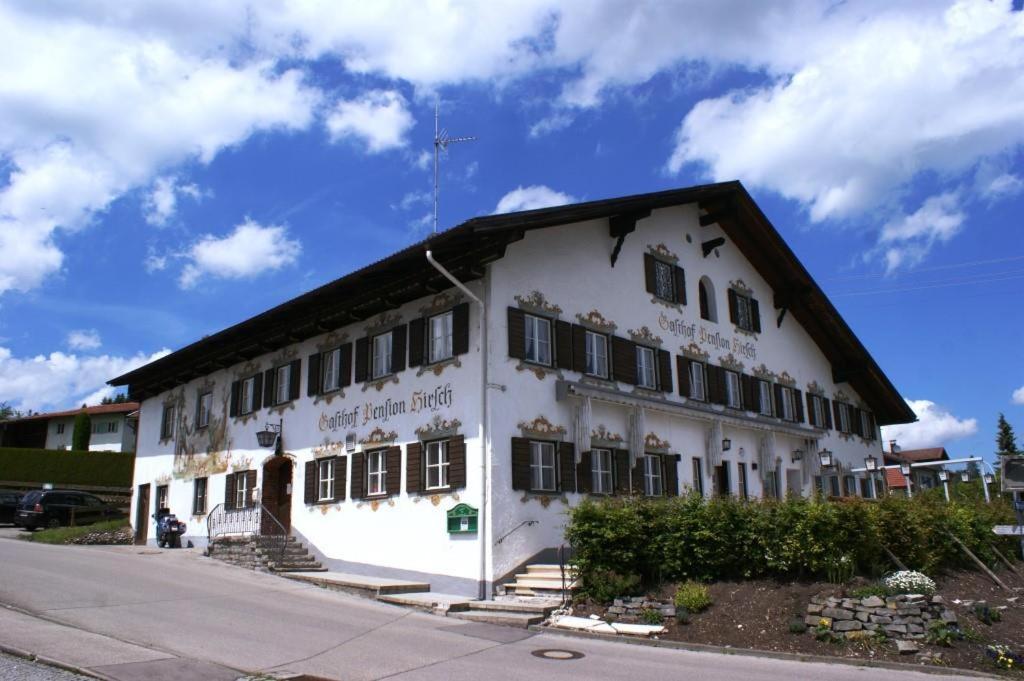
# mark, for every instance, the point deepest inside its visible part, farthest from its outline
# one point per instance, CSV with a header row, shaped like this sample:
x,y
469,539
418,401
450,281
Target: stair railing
x,y
254,520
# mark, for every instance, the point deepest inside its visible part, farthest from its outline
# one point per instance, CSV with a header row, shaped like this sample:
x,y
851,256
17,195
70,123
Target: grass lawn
x,y
68,535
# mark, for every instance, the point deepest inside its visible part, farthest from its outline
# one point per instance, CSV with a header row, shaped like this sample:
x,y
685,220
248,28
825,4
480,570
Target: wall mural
x,y
201,452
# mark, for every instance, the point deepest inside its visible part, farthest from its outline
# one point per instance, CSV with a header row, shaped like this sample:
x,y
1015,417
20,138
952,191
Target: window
x,y
697,381
788,405
741,479
381,365
60,429
732,389
833,486
167,424
764,391
601,471
645,372
248,395
376,470
111,426
771,484
97,427
242,493
664,283
199,496
865,426
818,407
437,464
723,487
205,406
706,294
538,340
542,466
161,497
865,488
652,476
844,417
325,487
282,383
597,354
698,476
330,364
440,342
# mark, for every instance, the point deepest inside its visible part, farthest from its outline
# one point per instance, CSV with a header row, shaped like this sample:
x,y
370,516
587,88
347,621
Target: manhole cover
x,y
557,654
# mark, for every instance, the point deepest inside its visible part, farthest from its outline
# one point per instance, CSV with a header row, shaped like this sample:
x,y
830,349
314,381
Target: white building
x,y
112,425
657,343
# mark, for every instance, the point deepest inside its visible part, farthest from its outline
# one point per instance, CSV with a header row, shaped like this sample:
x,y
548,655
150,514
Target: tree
x,y
82,433
7,412
1006,441
119,398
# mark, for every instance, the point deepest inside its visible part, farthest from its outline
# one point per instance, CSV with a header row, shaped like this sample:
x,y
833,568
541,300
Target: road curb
x,y
50,662
750,652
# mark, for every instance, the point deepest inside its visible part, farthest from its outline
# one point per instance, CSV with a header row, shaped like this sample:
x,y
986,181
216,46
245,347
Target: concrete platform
x,y
429,600
358,584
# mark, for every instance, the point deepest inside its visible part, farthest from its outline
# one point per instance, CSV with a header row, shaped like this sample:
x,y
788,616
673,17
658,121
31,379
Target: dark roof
x,y
467,248
919,455
99,409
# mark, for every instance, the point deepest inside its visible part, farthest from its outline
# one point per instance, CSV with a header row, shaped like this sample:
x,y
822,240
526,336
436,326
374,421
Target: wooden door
x,y
142,515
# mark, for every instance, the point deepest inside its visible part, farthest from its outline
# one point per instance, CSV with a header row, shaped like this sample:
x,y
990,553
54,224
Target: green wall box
x,y
462,519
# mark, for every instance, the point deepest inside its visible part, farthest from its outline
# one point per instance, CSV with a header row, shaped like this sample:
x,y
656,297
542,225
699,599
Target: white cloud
x,y
84,339
1018,395
529,198
162,201
935,427
250,250
62,381
378,118
155,263
412,199
906,241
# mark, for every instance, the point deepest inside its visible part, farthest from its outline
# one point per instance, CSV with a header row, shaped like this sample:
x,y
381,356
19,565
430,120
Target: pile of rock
x,y
122,535
632,609
905,617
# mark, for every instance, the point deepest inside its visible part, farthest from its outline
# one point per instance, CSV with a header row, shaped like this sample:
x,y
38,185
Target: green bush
x,y
651,616
605,586
869,590
693,596
66,468
690,537
82,432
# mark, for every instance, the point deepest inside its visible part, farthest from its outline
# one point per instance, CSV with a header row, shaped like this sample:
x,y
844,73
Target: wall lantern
x,y
798,455
965,476
989,478
871,464
270,435
905,468
825,457
944,475
726,444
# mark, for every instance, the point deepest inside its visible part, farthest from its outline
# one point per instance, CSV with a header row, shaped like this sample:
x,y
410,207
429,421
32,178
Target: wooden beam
x,y
709,246
844,373
621,225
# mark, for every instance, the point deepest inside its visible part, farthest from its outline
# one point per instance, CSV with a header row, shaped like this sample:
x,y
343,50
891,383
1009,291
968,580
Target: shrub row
x,y
728,538
64,468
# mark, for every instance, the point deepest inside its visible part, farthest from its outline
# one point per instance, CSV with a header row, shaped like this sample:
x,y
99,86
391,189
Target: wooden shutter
x,y
716,384
251,477
748,392
733,308
457,462
460,329
417,341
624,360
414,483
854,420
665,371
313,374
340,477
566,467
520,463
835,416
310,483
683,369
398,337
810,411
345,365
670,475
563,345
236,393
579,348
359,475
584,474
295,378
798,402
269,386
649,274
362,359
679,279
755,316
777,391
393,477
516,333
827,411
229,491
871,424
620,459
638,476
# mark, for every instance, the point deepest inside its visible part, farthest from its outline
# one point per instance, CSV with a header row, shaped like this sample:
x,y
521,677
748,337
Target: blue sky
x,y
167,170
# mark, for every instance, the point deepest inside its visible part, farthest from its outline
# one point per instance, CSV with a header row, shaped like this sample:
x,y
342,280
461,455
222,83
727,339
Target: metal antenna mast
x,y
441,142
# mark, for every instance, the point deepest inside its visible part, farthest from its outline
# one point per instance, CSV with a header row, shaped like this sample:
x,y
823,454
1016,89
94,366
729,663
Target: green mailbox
x,y
462,519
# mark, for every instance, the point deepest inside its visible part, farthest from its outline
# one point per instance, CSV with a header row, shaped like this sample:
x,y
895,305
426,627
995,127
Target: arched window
x,y
706,293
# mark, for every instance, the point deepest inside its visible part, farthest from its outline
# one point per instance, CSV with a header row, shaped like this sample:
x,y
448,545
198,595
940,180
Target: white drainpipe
x,y
484,526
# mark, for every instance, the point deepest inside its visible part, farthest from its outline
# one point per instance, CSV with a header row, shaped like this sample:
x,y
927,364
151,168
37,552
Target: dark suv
x,y
61,507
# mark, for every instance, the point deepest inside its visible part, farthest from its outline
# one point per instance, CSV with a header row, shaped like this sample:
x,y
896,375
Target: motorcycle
x,y
168,529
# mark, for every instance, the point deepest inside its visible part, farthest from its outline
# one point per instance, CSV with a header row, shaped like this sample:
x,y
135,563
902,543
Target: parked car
x,y
9,501
63,507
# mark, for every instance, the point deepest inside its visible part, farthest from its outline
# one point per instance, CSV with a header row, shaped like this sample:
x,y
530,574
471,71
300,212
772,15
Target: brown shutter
x,y
340,477
579,348
748,390
670,479
810,410
679,278
665,371
457,462
393,477
516,333
827,411
257,392
777,391
236,392
414,483
313,374
398,338
584,474
871,424
755,315
716,384
460,329
835,416
269,386
566,467
295,378
798,401
359,475
649,275
309,484
345,365
563,345
733,305
520,463
362,359
638,476
251,476
229,491
620,458
624,360
417,341
855,420
683,369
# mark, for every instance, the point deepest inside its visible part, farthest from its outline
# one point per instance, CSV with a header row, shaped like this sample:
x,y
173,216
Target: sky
x,y
168,169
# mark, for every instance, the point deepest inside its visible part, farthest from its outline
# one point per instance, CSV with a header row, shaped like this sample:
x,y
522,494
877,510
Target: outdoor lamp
x,y
825,456
798,454
871,464
944,475
905,468
965,476
269,435
726,444
989,478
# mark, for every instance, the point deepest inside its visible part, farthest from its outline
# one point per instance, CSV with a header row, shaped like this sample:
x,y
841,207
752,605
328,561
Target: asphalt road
x,y
140,613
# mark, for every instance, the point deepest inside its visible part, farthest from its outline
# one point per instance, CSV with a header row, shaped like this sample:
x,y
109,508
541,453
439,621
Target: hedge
x,y
691,537
64,468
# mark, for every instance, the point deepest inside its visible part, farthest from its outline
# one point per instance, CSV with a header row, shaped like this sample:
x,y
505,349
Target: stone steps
x,y
543,579
522,620
265,553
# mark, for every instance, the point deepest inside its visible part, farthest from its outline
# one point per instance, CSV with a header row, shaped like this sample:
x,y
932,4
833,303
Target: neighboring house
x,y
651,344
923,478
113,429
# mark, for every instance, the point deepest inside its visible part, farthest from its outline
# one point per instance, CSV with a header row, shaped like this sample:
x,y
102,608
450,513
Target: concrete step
x,y
549,569
361,584
429,601
542,609
298,568
509,619
532,582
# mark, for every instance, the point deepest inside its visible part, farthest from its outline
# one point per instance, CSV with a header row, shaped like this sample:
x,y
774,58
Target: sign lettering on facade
x,y
700,334
382,411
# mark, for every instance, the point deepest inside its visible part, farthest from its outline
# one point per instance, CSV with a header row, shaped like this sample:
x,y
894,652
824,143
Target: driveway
x,y
142,613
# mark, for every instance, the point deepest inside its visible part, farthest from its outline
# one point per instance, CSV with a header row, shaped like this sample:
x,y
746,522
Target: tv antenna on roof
x,y
441,142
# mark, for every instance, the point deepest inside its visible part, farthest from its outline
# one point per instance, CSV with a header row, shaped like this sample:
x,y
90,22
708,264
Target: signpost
x,y
1009,530
1012,480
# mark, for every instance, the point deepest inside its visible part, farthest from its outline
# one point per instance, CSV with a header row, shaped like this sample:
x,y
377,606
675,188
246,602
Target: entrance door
x,y
277,493
142,515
